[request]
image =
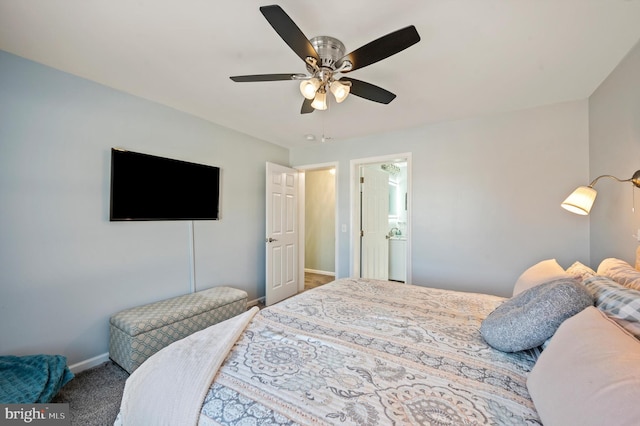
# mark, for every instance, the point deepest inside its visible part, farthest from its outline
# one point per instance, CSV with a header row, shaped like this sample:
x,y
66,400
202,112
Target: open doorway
x,y
318,221
381,200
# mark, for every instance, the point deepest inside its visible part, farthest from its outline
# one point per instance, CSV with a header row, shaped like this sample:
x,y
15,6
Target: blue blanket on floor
x,y
32,379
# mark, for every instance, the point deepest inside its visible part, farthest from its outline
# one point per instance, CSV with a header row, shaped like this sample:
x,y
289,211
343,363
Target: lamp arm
x,y
635,179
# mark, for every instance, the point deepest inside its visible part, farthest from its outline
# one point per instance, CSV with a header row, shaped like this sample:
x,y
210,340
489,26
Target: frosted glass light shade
x,y
580,201
309,87
320,101
339,90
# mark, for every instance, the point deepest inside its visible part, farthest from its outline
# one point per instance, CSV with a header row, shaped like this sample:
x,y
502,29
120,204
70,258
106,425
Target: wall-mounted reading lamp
x,y
581,200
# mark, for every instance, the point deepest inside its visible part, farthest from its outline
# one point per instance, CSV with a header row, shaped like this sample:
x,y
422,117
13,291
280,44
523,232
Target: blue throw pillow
x,y
528,319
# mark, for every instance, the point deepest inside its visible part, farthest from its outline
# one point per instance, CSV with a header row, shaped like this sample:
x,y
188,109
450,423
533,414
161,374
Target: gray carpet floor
x,y
94,395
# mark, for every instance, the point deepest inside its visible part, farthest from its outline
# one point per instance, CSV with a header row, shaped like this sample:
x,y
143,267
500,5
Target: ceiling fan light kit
x,y
326,61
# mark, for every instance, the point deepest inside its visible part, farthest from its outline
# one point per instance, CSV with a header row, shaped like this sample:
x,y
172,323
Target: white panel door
x,y
374,223
282,233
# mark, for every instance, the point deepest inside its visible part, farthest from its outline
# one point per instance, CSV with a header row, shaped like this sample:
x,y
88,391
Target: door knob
x,y
270,240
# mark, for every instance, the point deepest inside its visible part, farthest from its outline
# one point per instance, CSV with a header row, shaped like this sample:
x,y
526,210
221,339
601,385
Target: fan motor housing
x,y
329,50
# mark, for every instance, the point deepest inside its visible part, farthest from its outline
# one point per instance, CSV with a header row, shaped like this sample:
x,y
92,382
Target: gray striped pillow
x,y
618,302
621,272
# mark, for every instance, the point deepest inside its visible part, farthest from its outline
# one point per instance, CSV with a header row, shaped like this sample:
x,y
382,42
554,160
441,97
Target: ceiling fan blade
x,y
306,106
381,48
369,91
265,77
289,31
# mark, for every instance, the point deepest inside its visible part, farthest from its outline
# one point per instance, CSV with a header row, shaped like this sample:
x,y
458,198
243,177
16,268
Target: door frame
x,y
301,212
354,240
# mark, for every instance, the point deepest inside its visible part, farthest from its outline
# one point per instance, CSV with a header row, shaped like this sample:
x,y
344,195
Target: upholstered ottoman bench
x,y
137,333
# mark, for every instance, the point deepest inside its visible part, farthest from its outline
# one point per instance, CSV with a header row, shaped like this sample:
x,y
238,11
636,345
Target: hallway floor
x,y
312,280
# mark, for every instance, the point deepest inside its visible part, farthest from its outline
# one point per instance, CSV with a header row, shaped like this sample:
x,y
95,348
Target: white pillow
x,y
621,272
580,271
541,272
589,374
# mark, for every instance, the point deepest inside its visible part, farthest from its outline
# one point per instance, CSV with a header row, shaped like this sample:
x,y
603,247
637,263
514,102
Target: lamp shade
x,y
309,87
320,101
339,90
580,201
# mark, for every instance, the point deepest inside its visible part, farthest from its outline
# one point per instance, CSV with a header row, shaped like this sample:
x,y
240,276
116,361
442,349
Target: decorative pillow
x,y
588,375
618,302
621,272
539,273
528,319
580,271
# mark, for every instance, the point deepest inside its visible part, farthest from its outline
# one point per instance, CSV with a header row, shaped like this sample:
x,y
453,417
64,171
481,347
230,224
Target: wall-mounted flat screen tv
x,y
147,187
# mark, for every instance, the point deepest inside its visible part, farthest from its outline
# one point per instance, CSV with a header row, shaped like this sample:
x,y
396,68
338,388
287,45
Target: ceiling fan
x,y
325,60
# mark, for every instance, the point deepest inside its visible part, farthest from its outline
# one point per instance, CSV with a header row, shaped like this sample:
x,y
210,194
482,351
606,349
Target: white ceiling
x,y
476,57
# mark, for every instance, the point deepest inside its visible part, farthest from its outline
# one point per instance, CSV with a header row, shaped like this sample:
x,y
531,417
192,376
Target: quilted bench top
x,y
151,316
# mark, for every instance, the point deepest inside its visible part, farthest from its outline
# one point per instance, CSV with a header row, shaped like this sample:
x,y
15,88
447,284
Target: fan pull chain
x,y
324,138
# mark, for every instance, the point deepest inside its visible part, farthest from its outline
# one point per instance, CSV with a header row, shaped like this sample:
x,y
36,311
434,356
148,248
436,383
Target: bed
x,y
355,351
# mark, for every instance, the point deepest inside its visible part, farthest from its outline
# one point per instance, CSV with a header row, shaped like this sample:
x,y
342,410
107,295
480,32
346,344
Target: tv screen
x,y
146,187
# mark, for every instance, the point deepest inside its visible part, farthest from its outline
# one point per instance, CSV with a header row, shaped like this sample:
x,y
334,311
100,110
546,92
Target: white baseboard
x,y
255,302
315,271
89,363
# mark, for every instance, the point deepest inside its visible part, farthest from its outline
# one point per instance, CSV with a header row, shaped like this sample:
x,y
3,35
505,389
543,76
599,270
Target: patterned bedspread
x,y
372,353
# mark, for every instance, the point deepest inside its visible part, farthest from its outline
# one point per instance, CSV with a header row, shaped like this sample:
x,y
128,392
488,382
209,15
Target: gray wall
x,y
486,193
614,132
64,268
